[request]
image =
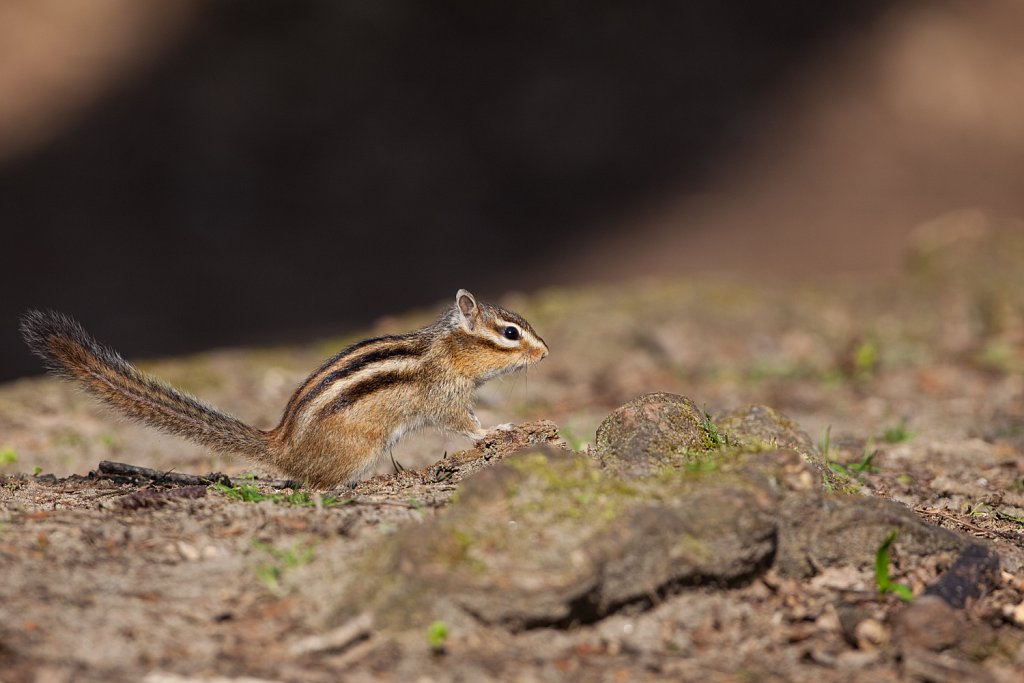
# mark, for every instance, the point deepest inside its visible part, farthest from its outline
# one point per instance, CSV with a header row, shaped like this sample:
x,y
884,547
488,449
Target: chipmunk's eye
x,y
512,333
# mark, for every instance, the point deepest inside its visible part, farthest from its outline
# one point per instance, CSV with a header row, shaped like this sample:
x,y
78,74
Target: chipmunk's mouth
x,y
536,356
532,358
523,363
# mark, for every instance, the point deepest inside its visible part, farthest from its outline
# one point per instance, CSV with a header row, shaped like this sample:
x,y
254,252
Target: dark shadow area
x,y
300,168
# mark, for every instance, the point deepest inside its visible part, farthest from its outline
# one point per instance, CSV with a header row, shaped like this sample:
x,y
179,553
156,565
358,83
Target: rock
x,y
1014,614
551,539
720,533
857,659
848,530
975,573
500,442
649,432
925,665
849,617
187,551
870,635
547,537
929,623
759,427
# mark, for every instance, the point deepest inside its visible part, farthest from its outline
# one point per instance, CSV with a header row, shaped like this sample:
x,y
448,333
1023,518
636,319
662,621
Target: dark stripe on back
x,y
352,348
365,388
398,347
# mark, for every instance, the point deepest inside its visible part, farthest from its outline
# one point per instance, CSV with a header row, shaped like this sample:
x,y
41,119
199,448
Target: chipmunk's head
x,y
493,341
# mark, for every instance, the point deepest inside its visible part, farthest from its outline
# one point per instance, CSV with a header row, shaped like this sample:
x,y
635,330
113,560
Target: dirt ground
x,y
911,389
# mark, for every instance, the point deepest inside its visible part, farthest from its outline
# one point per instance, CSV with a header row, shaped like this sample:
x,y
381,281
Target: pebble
x,y
1015,614
857,659
187,551
871,634
929,623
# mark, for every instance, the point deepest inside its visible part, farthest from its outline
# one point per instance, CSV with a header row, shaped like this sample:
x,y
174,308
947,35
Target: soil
x,y
731,535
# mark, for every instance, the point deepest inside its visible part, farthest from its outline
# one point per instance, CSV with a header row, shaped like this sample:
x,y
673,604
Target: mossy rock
x,y
847,530
650,432
550,538
546,538
759,428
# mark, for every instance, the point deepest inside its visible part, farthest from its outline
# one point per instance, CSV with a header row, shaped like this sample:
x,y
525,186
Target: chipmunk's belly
x,y
411,425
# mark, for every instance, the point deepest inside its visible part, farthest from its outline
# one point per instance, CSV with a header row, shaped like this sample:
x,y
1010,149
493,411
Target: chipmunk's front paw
x,y
481,433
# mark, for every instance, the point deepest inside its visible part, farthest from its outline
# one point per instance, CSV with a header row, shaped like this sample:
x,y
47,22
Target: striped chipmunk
x,y
345,416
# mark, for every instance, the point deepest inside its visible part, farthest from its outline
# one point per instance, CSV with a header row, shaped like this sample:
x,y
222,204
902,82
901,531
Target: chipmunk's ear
x,y
469,312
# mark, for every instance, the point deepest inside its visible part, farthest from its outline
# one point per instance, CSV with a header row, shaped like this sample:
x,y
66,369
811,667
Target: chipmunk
x,y
345,416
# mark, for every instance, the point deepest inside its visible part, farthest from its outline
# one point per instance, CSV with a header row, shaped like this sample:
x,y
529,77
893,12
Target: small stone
x,y
1015,614
871,634
820,654
187,551
857,659
1011,580
849,617
841,578
828,621
650,431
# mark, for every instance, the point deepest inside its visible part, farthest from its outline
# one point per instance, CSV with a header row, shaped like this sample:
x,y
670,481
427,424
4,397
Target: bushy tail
x,y
70,352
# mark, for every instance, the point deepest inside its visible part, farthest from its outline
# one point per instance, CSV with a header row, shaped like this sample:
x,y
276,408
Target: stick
x,y
109,468
338,639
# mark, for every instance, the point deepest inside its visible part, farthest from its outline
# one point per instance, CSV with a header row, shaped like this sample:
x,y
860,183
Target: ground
x,y
547,554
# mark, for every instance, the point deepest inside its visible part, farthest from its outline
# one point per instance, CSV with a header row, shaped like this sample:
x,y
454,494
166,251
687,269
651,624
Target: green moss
x,y
251,493
515,526
713,438
572,487
702,463
840,482
543,494
688,546
8,456
437,635
897,432
456,549
282,561
997,354
865,359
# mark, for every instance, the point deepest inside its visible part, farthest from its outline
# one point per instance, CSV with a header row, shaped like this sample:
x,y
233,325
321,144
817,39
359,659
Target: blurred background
x,y
181,174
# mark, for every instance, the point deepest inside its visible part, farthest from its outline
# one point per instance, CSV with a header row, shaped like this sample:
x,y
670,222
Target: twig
x,y
337,639
109,468
1010,535
932,512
